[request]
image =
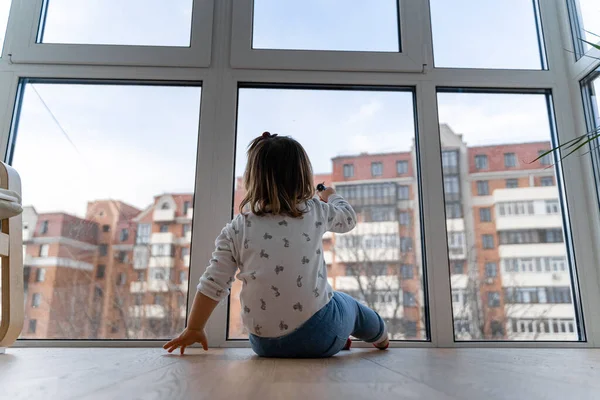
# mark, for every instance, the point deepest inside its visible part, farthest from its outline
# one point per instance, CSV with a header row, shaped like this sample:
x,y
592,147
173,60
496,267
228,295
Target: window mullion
x,y
433,217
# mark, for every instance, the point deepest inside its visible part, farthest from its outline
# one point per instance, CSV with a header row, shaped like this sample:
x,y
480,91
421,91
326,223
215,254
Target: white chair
x,y
11,257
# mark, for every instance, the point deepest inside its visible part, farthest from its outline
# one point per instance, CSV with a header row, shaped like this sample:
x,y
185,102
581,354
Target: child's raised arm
x,y
338,213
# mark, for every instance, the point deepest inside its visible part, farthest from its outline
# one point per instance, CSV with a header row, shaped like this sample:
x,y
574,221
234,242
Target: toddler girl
x,y
288,306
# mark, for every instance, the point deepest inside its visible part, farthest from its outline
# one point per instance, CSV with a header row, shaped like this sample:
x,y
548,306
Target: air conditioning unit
x,y
489,281
556,277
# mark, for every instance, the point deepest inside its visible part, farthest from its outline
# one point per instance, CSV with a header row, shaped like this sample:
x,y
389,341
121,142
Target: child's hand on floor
x,y
187,338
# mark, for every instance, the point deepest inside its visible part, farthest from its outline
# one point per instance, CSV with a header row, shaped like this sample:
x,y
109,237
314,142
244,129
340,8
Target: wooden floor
x,y
233,374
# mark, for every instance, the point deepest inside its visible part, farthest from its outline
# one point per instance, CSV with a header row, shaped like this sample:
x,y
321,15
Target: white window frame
x,y
26,16
411,59
232,66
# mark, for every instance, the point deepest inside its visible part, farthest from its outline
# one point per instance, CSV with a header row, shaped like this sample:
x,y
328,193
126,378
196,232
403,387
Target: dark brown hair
x,y
278,176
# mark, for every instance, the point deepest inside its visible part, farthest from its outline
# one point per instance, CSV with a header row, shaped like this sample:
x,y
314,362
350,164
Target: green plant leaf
x,y
596,46
573,145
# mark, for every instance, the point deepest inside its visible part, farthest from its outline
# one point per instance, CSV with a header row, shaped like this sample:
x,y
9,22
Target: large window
x,y
104,145
467,44
326,25
132,22
525,231
585,24
366,261
426,115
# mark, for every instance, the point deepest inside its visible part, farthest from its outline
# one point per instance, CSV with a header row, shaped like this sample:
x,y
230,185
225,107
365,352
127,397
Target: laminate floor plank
x,y
445,374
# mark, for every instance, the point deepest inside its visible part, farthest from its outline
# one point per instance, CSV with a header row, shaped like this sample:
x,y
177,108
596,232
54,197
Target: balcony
x,y
186,261
162,262
540,221
538,311
162,238
190,213
328,257
147,311
532,279
138,287
457,253
525,194
351,283
368,255
155,285
532,250
164,215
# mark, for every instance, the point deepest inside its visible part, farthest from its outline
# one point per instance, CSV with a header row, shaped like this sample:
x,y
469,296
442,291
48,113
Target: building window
x,y
407,272
105,228
552,207
185,251
143,234
100,271
403,192
138,299
32,326
182,276
348,170
164,228
405,244
451,188
453,211
491,270
103,250
122,279
165,206
512,183
450,161
404,218
98,293
36,300
485,215
186,207
40,275
376,169
124,235
545,160
487,241
402,167
458,268
547,181
510,160
44,250
186,229
158,300
141,276
122,257
410,328
481,161
409,299
493,299
483,188
44,227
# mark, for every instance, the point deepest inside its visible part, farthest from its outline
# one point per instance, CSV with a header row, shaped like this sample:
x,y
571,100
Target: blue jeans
x,y
326,332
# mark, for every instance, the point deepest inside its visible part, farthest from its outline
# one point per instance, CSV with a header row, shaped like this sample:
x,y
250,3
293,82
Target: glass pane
x,y
104,168
481,39
589,22
116,22
531,282
591,90
378,262
351,25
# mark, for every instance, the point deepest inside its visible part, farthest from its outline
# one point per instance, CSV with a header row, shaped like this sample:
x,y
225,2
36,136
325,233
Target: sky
x,y
134,142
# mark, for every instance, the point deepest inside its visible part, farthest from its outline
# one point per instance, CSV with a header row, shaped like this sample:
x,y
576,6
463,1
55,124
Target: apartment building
x,y
122,273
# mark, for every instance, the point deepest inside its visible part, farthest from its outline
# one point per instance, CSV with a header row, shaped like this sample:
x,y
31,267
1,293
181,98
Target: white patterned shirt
x,y
280,262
